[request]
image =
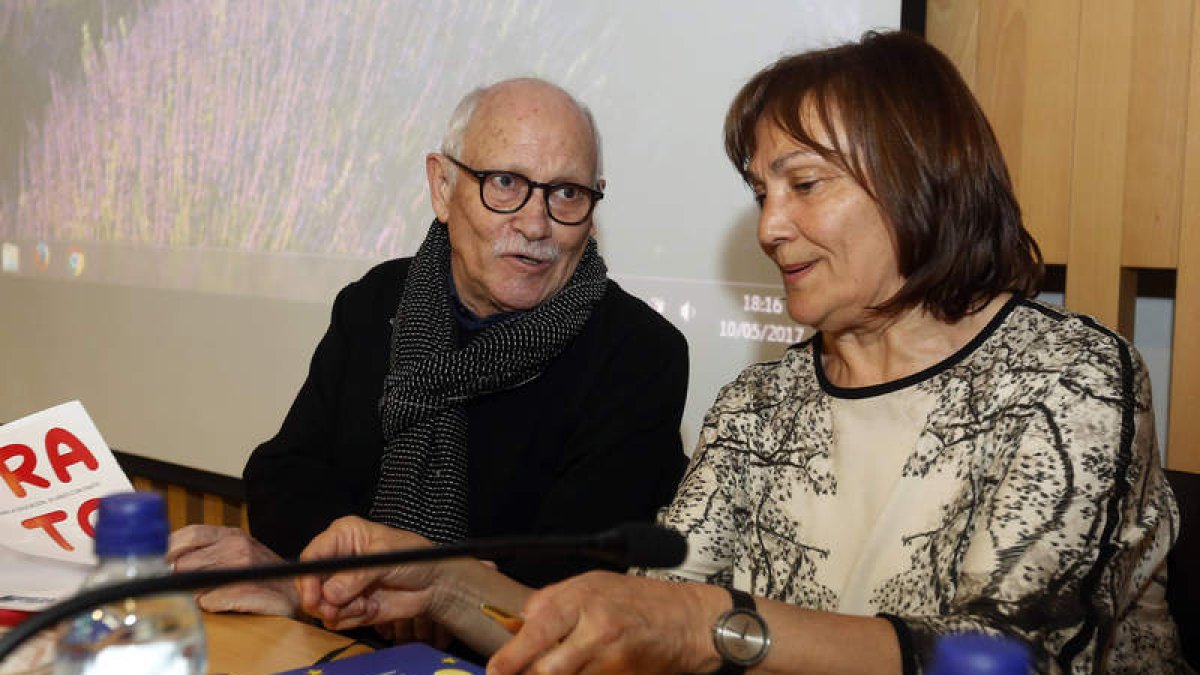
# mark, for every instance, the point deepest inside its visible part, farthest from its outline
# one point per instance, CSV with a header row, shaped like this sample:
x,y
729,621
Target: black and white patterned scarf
x,y
423,473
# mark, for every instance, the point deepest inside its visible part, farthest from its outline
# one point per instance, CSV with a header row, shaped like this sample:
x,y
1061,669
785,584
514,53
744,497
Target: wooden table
x,y
244,644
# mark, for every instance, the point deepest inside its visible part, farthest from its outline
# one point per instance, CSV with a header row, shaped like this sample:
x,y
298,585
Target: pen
x,y
507,620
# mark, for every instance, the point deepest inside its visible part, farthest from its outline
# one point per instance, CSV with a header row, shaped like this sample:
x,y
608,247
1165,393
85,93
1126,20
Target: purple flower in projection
x,y
272,125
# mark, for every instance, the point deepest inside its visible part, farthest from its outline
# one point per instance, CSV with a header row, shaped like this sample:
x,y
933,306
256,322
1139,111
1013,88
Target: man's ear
x,y
437,171
600,185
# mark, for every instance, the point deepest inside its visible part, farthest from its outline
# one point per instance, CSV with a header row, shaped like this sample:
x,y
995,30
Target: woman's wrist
x,y
708,602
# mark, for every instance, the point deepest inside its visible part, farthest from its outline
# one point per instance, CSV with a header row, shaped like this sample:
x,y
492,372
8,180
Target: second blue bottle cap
x,y
976,654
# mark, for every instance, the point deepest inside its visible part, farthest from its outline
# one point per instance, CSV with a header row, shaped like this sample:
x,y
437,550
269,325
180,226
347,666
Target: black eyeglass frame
x,y
481,177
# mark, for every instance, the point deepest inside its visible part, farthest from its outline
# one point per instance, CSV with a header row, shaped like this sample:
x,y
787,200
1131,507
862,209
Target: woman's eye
x,y
805,186
759,198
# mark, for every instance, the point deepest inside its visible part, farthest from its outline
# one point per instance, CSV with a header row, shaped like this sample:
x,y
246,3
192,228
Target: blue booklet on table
x,y
413,658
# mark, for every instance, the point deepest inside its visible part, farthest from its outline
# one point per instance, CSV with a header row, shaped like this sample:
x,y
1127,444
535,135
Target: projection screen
x,y
184,185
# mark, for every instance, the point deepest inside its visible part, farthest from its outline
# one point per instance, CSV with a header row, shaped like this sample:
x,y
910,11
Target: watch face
x,y
741,637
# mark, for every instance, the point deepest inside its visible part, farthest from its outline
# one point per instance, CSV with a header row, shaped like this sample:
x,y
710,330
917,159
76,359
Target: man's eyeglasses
x,y
507,192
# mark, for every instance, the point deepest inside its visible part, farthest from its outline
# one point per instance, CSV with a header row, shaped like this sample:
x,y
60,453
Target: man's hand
x,y
371,596
199,547
416,629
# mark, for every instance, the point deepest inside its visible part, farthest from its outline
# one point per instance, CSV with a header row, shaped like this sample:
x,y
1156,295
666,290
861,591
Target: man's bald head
x,y
510,97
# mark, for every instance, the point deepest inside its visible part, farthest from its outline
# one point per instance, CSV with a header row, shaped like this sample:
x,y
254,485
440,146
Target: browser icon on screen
x,y
75,261
41,256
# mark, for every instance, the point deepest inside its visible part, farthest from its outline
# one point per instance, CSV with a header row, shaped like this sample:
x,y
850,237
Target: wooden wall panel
x,y
1097,106
1183,441
1026,82
1157,119
187,506
953,25
1002,77
213,510
177,506
1098,172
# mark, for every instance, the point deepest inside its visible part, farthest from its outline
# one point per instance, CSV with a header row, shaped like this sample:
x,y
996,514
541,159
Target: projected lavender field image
x,y
265,126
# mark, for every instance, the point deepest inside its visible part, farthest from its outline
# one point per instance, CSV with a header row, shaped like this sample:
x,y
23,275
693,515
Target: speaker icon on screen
x,y
75,261
687,311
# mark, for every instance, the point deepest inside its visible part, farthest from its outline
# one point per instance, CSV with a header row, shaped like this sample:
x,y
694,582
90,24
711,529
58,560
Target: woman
x,y
944,455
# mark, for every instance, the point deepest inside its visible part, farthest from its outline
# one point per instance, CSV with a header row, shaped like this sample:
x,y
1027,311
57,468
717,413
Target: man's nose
x,y
533,219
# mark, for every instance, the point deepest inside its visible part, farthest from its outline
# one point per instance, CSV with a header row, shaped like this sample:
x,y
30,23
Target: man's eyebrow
x,y
557,180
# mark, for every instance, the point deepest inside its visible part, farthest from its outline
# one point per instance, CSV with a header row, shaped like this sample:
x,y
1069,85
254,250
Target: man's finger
x,y
342,587
247,598
309,588
190,538
359,612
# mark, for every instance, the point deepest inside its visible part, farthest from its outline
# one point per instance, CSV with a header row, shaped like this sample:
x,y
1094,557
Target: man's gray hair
x,y
460,119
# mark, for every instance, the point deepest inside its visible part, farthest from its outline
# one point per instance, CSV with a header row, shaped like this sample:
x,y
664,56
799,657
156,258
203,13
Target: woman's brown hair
x,y
918,142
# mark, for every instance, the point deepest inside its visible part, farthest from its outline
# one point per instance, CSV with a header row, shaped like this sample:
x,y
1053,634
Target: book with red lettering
x,y
54,468
413,658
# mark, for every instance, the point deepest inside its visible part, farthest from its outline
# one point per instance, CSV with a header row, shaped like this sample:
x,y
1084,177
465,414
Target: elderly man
x,y
496,383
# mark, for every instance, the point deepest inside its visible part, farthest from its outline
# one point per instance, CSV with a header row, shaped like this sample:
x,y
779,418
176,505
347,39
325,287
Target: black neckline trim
x,y
917,377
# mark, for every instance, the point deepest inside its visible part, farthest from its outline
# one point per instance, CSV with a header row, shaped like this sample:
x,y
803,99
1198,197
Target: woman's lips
x,y
795,271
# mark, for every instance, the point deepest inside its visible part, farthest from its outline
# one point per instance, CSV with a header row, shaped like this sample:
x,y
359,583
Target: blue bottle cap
x,y
131,523
977,654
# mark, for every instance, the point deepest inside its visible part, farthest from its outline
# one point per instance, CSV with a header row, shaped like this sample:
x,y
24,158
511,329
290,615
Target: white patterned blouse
x,y
1014,487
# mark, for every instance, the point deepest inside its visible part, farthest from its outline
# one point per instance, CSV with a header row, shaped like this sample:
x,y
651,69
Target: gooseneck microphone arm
x,y
629,545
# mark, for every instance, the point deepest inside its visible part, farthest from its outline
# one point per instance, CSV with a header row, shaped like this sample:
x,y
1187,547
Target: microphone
x,y
629,545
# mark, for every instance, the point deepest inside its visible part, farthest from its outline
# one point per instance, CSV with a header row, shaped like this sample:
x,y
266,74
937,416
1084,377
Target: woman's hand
x,y
609,623
369,596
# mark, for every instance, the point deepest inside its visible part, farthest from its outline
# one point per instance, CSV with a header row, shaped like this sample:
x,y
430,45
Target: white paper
x,y
31,583
54,467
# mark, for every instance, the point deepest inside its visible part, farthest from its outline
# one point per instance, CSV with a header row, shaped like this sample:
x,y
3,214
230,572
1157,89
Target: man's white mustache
x,y
544,250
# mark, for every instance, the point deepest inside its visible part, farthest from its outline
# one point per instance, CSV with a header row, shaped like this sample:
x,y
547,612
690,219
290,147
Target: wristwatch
x,y
740,635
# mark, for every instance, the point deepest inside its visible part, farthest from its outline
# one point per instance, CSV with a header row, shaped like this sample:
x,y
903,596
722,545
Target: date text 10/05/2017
x,y
761,332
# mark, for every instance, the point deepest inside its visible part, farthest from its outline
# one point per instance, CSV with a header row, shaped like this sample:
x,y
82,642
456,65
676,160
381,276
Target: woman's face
x,y
823,230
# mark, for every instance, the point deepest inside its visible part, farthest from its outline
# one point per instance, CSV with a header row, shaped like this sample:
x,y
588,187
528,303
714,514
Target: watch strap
x,y
741,600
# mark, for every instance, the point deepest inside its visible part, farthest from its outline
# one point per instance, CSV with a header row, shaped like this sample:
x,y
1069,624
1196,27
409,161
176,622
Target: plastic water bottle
x,y
35,657
160,634
978,654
